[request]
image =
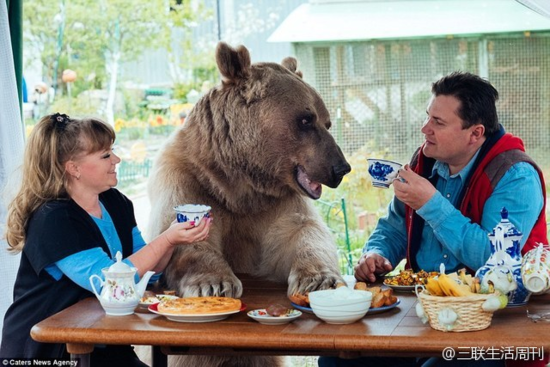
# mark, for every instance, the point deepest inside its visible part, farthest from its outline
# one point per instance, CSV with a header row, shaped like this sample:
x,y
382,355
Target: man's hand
x,y
371,264
412,189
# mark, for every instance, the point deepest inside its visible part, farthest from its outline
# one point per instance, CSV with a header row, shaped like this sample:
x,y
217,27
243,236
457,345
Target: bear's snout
x,y
338,173
341,170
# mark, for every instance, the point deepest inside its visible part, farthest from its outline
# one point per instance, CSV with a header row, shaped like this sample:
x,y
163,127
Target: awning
x,y
340,20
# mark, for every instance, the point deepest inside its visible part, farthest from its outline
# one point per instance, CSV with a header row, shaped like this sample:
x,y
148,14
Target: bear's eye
x,y
305,121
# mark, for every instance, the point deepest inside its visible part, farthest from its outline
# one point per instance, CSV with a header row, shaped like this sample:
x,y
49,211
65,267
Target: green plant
x,y
356,187
75,107
360,198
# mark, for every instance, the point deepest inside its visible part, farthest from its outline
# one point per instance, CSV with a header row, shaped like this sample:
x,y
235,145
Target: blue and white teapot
x,y
503,268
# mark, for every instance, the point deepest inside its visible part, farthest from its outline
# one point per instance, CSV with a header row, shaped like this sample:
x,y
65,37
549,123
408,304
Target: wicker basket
x,y
471,316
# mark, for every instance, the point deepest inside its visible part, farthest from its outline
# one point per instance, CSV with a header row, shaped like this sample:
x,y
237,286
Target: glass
x,y
539,317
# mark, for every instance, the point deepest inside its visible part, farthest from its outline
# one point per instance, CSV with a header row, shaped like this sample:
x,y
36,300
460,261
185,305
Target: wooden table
x,y
397,332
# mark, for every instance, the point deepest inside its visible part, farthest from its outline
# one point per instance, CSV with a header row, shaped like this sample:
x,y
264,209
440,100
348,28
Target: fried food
x,y
408,278
380,297
300,299
378,300
390,300
374,290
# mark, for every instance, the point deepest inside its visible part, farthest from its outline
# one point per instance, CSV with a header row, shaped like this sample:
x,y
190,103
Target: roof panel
x,y
364,20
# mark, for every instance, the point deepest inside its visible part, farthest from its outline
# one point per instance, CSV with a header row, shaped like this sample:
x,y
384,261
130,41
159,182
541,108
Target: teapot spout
x,y
142,285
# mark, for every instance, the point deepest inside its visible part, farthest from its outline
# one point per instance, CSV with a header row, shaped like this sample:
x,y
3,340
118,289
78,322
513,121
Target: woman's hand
x,y
186,233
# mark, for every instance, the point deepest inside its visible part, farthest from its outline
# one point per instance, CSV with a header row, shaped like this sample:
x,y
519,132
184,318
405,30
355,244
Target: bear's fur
x,y
256,149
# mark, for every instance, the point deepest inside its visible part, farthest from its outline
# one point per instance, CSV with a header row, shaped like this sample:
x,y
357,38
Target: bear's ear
x,y
234,64
291,64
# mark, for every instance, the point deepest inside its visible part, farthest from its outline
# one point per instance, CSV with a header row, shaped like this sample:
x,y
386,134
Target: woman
x,y
68,222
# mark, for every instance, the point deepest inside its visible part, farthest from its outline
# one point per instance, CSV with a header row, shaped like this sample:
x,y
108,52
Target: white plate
x,y
372,310
195,318
159,298
263,317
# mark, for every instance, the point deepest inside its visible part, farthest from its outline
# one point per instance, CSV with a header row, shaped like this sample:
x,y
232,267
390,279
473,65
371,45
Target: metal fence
x,y
377,91
131,171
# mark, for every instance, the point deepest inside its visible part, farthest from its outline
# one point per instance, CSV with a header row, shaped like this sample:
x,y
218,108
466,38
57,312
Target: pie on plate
x,y
199,305
194,317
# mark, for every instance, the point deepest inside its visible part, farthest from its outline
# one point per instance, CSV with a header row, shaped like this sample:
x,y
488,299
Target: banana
x,y
451,288
465,278
462,273
465,289
453,284
491,286
475,287
443,281
434,288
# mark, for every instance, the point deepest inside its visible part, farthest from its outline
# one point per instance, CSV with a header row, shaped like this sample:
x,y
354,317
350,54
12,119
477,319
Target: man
x,y
450,197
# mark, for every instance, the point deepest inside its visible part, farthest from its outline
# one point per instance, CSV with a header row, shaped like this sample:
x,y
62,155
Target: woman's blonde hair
x,y
54,141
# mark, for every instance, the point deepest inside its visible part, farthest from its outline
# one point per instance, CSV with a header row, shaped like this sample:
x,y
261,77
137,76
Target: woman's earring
x,y
78,176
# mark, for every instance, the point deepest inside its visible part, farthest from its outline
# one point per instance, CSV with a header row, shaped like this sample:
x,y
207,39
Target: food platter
x,y
401,288
195,317
263,317
407,280
371,311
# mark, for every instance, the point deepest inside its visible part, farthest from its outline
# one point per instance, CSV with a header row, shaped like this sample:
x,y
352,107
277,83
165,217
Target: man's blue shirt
x,y
448,236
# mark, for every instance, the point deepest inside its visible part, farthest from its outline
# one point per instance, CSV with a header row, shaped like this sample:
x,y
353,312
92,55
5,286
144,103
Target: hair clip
x,y
60,121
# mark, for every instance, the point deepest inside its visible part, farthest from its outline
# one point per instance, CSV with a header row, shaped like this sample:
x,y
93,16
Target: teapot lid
x,y
505,225
119,266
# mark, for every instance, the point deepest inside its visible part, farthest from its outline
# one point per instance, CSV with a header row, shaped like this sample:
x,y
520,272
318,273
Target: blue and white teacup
x,y
383,171
192,212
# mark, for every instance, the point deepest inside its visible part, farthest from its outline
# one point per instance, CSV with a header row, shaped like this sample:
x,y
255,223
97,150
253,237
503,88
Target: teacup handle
x,y
93,285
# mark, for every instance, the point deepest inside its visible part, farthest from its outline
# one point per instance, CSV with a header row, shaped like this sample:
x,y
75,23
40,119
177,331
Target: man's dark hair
x,y
477,96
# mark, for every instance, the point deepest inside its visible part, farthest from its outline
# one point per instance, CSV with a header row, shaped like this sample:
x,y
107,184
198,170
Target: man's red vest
x,y
499,158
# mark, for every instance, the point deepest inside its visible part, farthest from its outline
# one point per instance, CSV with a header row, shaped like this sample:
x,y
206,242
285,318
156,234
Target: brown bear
x,y
256,149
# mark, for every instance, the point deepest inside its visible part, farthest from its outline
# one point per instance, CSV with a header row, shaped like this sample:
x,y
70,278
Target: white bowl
x,y
347,318
356,307
340,306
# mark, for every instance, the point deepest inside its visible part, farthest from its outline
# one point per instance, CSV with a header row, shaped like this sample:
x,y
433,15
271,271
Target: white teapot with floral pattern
x,y
120,294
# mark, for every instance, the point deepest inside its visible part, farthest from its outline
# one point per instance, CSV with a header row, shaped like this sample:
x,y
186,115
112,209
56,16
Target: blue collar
x,y
442,169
